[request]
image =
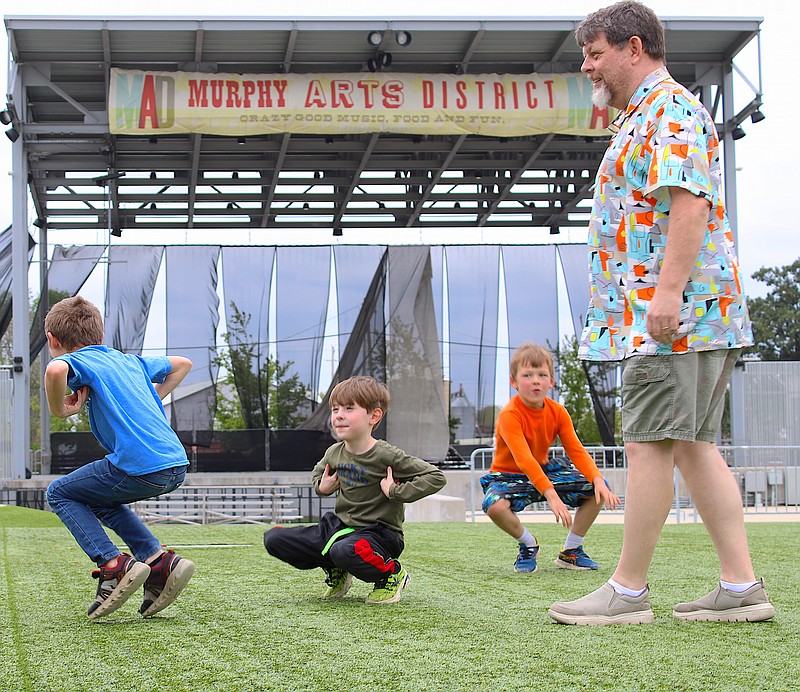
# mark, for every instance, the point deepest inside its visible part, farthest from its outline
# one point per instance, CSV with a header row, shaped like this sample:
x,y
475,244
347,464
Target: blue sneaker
x,y
526,560
575,558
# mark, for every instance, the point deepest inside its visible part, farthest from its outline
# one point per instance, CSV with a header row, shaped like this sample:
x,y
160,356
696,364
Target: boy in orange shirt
x,y
522,474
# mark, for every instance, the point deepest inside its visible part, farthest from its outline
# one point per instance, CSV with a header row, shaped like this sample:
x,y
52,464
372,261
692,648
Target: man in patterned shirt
x,y
667,298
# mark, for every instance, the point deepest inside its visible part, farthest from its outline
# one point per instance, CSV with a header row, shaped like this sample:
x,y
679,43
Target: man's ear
x,y
636,48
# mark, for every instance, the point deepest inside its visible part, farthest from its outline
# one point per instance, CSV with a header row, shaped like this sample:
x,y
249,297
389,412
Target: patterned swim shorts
x,y
571,486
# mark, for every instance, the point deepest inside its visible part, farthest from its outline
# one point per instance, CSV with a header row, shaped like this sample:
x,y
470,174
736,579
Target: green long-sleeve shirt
x,y
361,501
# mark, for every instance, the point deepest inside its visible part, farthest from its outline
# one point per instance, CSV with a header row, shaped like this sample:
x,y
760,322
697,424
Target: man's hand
x,y
329,483
558,508
663,315
388,482
602,494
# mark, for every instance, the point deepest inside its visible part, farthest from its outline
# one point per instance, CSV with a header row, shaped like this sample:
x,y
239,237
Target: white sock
x,y
573,541
625,591
737,588
527,539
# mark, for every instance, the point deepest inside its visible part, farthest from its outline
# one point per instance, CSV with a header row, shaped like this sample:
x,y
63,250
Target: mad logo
x,y
144,101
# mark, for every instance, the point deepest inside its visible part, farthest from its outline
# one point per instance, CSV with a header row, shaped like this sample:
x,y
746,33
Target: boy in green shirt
x,y
364,536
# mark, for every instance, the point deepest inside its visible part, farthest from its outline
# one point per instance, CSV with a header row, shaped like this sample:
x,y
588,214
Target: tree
x,y
487,417
78,422
263,394
574,391
452,425
776,330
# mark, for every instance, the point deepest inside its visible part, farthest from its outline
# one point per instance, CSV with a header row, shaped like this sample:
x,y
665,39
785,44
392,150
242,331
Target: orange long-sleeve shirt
x,y
524,436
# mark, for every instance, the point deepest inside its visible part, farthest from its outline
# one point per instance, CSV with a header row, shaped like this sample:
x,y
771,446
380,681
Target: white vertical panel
x,y
6,421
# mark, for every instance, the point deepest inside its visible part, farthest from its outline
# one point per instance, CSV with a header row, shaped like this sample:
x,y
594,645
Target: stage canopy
x,y
333,163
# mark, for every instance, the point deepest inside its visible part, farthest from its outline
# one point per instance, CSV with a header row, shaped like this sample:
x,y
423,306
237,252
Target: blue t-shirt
x,y
125,412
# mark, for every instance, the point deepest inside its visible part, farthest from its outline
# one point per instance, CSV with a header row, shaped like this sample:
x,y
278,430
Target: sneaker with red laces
x,y
116,584
168,575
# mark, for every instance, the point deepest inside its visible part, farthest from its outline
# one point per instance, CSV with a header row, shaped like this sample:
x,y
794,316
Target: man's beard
x,y
601,95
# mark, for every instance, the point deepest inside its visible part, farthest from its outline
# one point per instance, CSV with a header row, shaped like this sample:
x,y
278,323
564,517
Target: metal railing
x,y
768,478
249,504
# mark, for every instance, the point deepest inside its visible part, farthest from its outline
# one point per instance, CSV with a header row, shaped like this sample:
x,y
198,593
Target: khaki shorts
x,y
675,397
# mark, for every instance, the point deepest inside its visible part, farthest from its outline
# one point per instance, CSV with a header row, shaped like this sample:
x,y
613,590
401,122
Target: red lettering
x,y
427,93
499,96
234,100
264,95
315,96
149,106
461,99
216,93
480,86
341,93
280,87
444,94
368,86
198,96
249,87
392,92
530,87
514,95
549,83
599,114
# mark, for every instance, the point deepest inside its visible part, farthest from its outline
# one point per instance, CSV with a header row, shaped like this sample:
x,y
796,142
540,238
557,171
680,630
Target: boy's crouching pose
x,y
364,537
145,457
522,474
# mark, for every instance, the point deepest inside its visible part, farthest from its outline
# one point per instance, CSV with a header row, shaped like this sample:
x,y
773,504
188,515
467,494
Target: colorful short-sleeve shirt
x,y
664,138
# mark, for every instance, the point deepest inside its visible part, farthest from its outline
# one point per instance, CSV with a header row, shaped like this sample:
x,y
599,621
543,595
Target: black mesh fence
x,y
218,451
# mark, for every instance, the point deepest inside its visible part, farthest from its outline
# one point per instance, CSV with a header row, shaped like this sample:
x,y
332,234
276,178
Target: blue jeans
x,y
96,494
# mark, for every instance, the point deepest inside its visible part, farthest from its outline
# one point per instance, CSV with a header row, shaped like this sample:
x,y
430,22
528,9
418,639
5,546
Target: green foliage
x,y
79,422
776,329
574,391
262,392
228,414
487,417
404,352
247,621
452,424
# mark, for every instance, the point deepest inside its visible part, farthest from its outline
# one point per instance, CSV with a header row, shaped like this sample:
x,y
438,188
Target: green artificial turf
x,y
467,621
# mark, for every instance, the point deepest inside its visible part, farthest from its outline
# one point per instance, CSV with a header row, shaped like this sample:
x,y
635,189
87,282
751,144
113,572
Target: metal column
x,y
19,287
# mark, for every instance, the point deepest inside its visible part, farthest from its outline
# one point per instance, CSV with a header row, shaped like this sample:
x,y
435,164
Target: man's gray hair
x,y
621,21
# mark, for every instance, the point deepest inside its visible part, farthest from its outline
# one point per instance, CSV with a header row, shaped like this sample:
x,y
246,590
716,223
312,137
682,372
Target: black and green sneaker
x,y
388,590
338,581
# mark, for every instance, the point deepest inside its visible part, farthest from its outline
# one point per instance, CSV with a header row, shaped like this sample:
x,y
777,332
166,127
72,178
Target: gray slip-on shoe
x,y
604,607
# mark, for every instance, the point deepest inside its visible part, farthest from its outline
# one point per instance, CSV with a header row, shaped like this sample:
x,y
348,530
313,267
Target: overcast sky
x,y
767,233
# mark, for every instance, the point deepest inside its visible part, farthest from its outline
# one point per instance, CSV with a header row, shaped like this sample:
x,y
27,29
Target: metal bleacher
x,y
253,504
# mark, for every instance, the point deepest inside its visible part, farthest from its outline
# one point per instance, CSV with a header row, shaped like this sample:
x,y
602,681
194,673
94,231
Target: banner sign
x,y
494,105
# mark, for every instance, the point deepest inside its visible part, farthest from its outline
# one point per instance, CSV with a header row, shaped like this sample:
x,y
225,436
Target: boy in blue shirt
x,y
145,457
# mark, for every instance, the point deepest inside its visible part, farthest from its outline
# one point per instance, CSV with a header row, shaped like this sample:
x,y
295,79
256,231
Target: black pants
x,y
368,553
